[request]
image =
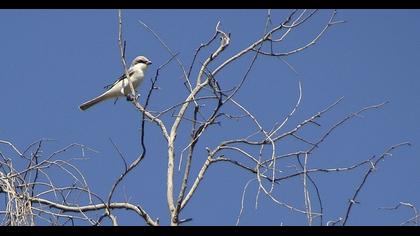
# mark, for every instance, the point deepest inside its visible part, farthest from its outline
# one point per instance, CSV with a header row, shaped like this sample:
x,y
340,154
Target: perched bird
x,y
121,87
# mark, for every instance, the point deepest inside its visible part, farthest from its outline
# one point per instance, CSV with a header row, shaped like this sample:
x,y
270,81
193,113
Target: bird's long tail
x,y
94,101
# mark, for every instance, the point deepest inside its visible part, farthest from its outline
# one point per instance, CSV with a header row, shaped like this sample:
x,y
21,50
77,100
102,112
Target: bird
x,y
121,86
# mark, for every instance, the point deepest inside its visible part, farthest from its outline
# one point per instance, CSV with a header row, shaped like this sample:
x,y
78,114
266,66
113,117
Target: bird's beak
x,y
149,63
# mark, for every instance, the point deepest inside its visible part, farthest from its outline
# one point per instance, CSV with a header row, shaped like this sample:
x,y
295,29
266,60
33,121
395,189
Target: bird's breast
x,y
137,78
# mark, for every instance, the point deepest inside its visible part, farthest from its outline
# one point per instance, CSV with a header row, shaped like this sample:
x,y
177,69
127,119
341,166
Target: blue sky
x,y
53,60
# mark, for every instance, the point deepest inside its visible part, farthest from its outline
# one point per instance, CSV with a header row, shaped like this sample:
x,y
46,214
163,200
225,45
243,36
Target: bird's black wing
x,y
130,72
119,78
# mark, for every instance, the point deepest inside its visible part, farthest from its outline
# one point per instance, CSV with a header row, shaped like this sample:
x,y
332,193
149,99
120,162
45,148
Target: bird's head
x,y
141,61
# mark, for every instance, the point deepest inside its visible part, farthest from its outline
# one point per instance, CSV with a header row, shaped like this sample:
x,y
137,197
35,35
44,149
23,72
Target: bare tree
x,y
31,193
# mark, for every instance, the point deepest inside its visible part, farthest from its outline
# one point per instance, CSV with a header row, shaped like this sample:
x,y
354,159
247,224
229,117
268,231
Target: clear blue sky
x,y
53,60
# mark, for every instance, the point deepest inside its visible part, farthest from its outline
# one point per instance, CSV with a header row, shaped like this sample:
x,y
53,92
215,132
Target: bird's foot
x,y
131,97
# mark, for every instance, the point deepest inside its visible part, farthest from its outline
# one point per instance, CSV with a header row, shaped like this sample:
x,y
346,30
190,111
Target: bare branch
x,y
414,220
352,201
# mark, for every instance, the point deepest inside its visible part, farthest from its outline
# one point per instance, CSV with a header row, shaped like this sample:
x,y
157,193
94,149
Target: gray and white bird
x,y
121,87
